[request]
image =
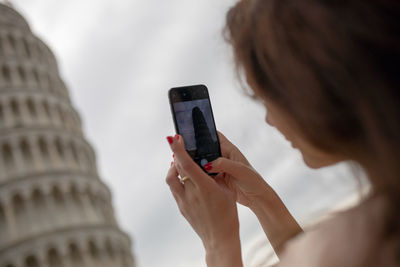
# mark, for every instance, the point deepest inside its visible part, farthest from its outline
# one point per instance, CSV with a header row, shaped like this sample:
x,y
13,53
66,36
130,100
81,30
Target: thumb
x,y
233,168
184,161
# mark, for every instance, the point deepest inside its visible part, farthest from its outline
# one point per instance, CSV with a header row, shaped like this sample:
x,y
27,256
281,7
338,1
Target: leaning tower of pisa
x,y
54,209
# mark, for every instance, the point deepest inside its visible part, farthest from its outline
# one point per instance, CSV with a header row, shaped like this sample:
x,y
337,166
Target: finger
x,y
222,184
226,145
174,183
222,138
219,179
220,176
233,168
228,149
188,183
186,163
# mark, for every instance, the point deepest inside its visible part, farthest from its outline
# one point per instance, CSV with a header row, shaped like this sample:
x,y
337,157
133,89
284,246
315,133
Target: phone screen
x,y
194,121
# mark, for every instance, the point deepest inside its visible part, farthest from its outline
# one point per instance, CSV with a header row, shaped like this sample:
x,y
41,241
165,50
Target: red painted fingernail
x,y
170,139
177,137
173,155
208,166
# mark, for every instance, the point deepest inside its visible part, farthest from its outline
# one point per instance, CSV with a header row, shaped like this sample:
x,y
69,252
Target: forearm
x,y
227,254
276,220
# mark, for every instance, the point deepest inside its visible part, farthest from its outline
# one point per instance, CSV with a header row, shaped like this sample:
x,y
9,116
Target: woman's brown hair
x,y
333,66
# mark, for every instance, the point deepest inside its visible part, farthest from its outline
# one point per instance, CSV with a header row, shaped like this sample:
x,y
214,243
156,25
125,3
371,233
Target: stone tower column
x,y
54,209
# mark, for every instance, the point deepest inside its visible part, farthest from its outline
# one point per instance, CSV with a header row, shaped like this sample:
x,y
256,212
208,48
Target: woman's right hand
x,y
251,190
240,177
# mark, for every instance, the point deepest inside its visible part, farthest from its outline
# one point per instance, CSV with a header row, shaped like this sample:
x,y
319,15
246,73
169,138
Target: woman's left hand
x,y
207,205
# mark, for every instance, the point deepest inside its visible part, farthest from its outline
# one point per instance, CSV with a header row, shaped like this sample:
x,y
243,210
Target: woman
x,y
327,73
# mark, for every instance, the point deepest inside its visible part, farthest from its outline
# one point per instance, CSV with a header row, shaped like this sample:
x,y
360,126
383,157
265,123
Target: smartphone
x,y
194,121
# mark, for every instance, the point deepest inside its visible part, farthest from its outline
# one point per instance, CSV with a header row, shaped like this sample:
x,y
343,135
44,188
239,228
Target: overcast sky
x,y
119,58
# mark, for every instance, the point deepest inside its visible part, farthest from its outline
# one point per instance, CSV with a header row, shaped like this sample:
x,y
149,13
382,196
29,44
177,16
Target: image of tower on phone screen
x,y
195,123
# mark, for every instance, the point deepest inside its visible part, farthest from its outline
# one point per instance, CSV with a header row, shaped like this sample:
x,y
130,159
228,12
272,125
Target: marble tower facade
x,y
54,209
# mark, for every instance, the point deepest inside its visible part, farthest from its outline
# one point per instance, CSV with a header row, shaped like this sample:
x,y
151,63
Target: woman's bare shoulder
x,y
345,239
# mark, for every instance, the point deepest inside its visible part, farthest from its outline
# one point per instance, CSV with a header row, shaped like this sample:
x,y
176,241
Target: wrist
x,y
276,220
226,253
272,210
267,200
